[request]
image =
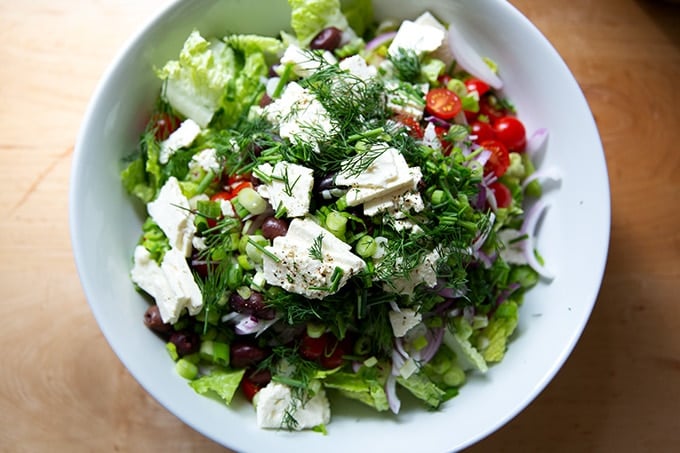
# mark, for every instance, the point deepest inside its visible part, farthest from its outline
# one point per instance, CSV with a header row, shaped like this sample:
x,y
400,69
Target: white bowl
x,y
574,234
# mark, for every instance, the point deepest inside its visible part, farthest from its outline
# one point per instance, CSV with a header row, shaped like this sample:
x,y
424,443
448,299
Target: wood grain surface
x,y
63,389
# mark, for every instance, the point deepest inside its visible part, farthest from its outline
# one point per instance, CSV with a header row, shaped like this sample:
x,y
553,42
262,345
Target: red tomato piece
x,y
474,84
313,348
164,124
413,125
443,103
502,194
499,161
511,132
224,195
444,79
488,109
249,388
483,131
332,356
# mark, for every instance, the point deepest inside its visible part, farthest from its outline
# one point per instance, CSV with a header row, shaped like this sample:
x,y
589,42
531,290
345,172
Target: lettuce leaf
x,y
468,357
134,180
424,389
223,382
195,83
154,240
367,386
309,17
501,325
359,14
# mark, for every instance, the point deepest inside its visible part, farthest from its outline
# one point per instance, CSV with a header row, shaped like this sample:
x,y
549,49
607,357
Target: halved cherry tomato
x,y
474,84
164,124
511,132
231,192
502,194
499,161
482,130
443,103
413,125
249,388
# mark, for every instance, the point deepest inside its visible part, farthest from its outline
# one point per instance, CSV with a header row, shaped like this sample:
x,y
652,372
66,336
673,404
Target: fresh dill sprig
x,y
315,251
406,64
214,289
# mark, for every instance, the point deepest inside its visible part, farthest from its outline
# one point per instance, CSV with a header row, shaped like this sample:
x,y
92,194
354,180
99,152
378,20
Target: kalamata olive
x,y
273,227
326,183
260,377
243,355
265,100
253,305
185,341
153,320
327,39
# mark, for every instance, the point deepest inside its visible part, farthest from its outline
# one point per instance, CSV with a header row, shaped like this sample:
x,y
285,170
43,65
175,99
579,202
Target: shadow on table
x,y
666,15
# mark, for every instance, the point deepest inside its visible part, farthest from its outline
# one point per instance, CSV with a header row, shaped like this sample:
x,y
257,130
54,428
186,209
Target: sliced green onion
x,y
366,246
285,76
315,330
336,223
186,369
252,201
172,350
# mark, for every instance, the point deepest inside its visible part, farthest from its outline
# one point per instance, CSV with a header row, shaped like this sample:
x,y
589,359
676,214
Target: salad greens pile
x,y
335,211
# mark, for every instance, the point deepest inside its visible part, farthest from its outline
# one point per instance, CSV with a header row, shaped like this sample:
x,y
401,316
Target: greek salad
x,y
335,212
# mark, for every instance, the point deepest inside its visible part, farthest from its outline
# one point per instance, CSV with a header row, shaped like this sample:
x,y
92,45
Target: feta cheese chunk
x,y
419,37
275,400
290,187
182,137
171,211
357,66
300,117
425,272
304,64
398,202
207,160
406,99
387,175
171,284
404,320
297,267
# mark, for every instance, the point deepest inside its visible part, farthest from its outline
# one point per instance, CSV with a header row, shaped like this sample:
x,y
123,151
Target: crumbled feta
x,y
398,202
425,272
402,98
418,37
207,160
275,400
387,175
404,320
290,187
304,63
171,211
171,284
300,116
428,20
182,137
298,271
227,208
357,66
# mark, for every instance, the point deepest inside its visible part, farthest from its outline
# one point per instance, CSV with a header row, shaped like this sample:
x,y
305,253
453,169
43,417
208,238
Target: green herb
x,y
406,64
315,251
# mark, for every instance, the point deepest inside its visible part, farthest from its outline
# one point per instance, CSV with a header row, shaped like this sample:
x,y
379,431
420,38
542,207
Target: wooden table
x,y
63,389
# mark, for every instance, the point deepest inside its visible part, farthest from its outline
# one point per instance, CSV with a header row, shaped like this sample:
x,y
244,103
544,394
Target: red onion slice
x,y
536,141
529,227
380,40
391,393
468,58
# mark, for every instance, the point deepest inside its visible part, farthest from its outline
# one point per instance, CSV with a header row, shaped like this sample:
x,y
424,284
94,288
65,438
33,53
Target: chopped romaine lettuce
x,y
423,388
309,17
501,325
359,14
223,382
134,180
367,386
468,357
